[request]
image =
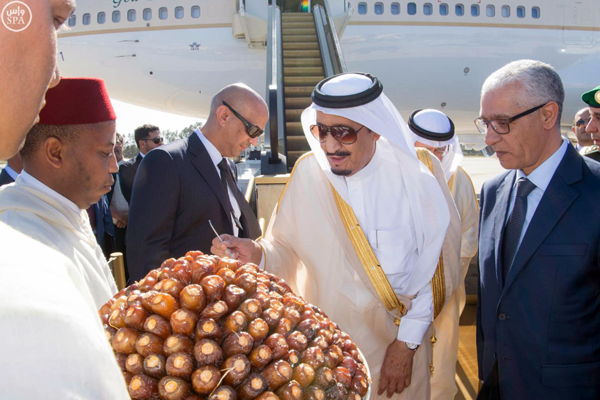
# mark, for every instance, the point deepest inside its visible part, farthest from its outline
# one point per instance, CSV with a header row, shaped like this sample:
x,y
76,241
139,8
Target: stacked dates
x,y
202,327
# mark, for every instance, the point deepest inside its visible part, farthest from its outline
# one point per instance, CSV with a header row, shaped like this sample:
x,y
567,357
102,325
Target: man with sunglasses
x,y
147,137
433,130
359,229
584,139
182,186
538,316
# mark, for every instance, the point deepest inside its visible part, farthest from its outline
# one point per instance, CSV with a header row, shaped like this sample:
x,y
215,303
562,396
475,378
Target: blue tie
x,y
512,232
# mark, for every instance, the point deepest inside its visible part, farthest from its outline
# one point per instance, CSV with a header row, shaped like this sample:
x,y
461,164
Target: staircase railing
x,y
331,50
273,162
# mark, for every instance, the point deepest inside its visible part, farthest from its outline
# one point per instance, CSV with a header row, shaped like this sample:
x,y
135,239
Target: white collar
x,y
31,181
542,175
142,154
11,172
215,155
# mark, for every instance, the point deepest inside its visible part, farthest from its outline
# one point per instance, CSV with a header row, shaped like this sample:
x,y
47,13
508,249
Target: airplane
x,y
173,55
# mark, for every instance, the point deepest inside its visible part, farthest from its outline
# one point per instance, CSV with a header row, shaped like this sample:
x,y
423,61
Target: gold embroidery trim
x,y
368,259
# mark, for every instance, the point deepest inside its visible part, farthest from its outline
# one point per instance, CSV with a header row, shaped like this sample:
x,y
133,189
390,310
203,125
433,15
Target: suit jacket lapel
x,y
500,211
556,200
204,165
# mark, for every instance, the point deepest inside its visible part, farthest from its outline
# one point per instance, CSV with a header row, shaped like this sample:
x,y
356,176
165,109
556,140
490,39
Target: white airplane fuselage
x,y
175,55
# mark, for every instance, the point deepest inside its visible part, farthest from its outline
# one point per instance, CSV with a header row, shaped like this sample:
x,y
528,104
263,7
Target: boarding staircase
x,y
302,70
302,50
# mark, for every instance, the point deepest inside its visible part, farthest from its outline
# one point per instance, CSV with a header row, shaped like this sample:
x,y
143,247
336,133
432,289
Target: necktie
x,y
512,232
250,227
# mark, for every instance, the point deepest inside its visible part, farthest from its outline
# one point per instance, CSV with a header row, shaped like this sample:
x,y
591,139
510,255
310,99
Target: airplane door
x,y
577,16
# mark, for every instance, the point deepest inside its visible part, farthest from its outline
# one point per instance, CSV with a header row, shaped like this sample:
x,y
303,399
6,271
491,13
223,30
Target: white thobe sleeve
x,y
417,320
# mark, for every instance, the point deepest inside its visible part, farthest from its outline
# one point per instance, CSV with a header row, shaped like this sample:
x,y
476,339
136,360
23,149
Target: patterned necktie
x,y
512,232
224,168
250,228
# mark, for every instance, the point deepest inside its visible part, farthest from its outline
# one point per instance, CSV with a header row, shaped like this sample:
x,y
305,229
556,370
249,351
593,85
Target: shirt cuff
x,y
411,330
262,265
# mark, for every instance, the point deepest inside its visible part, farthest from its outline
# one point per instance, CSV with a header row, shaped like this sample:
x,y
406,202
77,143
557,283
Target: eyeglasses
x,y
252,130
156,140
342,133
581,123
442,151
502,126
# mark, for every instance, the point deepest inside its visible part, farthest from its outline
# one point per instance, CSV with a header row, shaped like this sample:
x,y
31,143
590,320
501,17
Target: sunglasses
x,y
342,133
581,123
156,140
252,130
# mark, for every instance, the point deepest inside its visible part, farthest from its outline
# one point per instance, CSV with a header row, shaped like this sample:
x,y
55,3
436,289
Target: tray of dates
x,y
210,328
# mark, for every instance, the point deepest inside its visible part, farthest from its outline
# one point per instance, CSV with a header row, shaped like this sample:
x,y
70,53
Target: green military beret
x,y
592,97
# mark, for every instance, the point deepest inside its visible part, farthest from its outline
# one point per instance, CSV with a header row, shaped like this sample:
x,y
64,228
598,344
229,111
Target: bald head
x,y
227,125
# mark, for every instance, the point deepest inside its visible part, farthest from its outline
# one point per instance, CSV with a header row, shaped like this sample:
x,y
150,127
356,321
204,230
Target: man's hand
x,y
396,370
119,223
245,250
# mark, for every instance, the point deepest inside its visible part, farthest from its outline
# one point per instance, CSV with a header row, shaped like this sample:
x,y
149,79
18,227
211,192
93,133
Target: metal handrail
x,y
274,135
331,50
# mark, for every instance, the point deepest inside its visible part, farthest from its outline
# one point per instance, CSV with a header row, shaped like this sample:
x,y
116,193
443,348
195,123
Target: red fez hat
x,y
77,101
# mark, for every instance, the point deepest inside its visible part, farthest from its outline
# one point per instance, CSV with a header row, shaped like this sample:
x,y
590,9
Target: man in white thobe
x,y
434,131
363,159
68,161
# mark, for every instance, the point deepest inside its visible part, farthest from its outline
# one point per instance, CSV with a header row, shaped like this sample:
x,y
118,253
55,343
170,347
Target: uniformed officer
x,y
592,99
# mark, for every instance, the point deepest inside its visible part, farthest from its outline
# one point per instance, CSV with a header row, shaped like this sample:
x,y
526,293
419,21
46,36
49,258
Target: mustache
x,y
339,153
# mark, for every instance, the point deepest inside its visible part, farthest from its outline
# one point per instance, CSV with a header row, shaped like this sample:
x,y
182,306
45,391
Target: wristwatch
x,y
412,346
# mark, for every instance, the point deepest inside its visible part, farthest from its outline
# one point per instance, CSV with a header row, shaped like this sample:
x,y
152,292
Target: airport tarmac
x,y
481,169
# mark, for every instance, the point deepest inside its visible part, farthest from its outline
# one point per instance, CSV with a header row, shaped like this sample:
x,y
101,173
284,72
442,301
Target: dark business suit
x,y
104,229
5,178
542,326
176,191
127,173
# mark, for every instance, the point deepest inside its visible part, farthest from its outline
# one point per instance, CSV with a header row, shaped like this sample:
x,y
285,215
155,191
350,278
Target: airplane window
x,y
101,17
395,8
475,10
178,12
490,10
163,13
535,12
86,19
459,10
116,16
443,9
506,11
521,12
427,9
378,8
196,12
72,20
131,15
147,14
362,8
412,8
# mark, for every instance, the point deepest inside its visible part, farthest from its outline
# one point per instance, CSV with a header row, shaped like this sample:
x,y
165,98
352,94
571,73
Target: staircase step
x,y
293,115
297,143
297,102
299,39
303,62
307,24
298,91
303,71
311,49
293,129
285,31
297,17
303,80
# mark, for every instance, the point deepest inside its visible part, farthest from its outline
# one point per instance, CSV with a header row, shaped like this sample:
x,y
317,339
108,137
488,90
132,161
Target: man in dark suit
x,y
12,169
538,325
181,186
147,137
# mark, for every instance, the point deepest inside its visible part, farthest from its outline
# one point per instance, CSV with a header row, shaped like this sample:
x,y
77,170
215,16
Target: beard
x,y
340,171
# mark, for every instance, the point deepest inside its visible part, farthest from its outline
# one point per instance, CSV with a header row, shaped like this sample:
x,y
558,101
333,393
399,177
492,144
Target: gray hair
x,y
540,83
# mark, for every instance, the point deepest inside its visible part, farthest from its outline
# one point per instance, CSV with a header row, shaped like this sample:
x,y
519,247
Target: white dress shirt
x,y
216,158
378,206
540,177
